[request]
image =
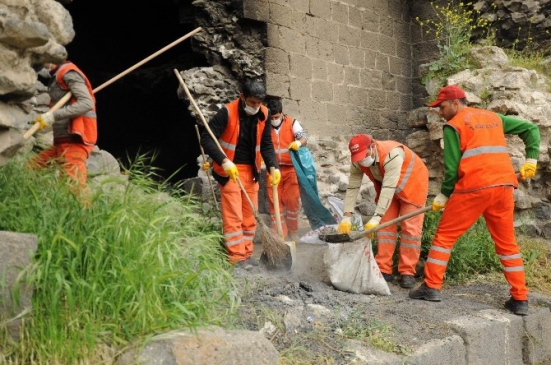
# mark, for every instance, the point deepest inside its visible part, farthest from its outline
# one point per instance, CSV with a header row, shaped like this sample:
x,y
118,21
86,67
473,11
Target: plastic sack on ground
x,y
352,268
318,215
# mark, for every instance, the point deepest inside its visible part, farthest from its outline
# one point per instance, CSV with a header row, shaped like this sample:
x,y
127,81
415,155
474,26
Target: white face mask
x,y
276,122
250,110
368,160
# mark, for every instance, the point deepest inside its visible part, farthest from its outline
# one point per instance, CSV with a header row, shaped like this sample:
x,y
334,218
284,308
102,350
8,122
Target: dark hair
x,y
275,106
254,88
463,101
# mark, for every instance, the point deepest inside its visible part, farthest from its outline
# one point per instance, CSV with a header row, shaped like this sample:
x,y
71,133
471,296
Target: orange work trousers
x,y
496,204
71,157
410,239
289,200
237,215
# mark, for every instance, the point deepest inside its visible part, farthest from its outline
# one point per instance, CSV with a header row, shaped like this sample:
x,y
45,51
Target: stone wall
x,y
340,66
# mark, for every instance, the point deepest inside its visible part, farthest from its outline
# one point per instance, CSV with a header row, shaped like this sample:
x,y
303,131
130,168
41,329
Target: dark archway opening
x,y
140,113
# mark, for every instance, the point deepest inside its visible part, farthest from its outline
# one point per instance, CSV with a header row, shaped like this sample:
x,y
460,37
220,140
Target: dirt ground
x,y
310,322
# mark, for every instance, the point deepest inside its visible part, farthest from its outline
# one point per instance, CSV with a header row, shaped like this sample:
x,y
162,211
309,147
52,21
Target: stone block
x,y
314,110
300,65
355,17
319,70
299,22
321,8
369,40
335,73
325,51
212,346
376,99
357,58
357,96
300,5
256,10
538,332
386,26
311,47
16,252
336,113
491,337
350,36
293,40
396,65
352,76
339,12
322,91
387,45
342,56
340,94
326,30
277,84
276,60
273,36
370,59
370,21
382,63
280,15
300,88
370,79
450,351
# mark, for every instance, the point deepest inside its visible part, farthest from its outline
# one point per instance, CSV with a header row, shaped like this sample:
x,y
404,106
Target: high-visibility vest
x,y
230,136
413,184
282,140
485,160
86,126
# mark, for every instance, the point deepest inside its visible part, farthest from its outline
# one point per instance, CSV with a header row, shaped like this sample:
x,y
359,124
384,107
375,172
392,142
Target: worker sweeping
x,y
401,182
244,132
479,179
287,135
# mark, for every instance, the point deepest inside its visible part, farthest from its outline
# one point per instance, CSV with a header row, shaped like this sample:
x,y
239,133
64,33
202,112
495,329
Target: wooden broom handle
x,y
67,96
276,205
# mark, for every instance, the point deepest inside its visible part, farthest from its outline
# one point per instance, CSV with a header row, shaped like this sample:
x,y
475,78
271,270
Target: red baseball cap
x,y
358,146
451,92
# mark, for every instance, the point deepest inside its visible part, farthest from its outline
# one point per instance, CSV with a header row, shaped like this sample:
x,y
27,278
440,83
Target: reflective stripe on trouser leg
x,y
461,212
237,214
270,192
410,240
386,239
290,196
499,218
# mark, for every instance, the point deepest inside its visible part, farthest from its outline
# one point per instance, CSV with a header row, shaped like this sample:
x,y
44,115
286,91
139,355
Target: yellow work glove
x,y
439,202
45,120
345,225
528,169
230,169
205,166
373,222
274,180
295,145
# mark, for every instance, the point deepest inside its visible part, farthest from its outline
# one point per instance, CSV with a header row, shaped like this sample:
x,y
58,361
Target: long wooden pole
x,y
67,96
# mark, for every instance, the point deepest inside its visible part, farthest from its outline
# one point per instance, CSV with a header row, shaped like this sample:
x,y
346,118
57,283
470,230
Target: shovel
x,y
335,237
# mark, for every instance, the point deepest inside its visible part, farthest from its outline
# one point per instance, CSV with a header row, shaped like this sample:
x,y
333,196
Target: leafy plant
x,y
452,27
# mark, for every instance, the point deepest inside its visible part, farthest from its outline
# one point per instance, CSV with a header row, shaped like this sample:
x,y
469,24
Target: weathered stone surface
x,y
211,346
16,251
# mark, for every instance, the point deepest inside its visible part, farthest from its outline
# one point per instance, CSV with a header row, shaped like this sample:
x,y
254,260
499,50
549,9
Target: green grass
x,y
139,260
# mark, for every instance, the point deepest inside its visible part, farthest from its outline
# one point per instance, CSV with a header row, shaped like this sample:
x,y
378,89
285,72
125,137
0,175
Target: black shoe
x,y
388,277
519,307
407,281
426,293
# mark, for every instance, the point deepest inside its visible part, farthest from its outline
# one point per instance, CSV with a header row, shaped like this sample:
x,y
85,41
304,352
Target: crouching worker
x,y
401,183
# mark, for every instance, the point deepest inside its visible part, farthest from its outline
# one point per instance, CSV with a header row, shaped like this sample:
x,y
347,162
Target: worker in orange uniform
x,y
74,125
479,179
287,135
244,132
401,182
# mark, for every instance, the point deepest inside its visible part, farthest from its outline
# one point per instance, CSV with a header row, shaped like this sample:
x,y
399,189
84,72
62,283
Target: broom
x,y
277,251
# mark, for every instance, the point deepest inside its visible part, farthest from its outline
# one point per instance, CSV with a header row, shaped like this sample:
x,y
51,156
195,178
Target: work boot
x,y
407,282
426,293
388,277
518,307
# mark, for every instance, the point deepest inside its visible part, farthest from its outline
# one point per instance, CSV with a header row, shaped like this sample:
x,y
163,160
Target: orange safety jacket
x,y
283,140
228,139
413,184
485,160
86,126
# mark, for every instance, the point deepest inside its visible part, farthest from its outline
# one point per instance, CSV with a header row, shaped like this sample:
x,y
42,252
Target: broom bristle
x,y
276,250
